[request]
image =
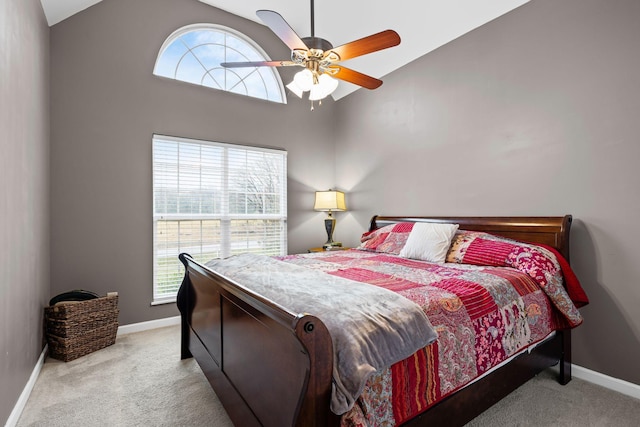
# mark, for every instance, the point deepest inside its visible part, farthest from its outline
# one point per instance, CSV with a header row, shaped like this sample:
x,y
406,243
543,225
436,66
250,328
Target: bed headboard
x,y
548,230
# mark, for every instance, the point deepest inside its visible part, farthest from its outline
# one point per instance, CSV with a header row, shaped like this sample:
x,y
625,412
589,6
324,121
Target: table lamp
x,y
329,201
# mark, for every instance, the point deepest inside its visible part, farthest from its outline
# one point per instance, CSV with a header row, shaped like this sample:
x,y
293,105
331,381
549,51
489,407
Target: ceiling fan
x,y
319,58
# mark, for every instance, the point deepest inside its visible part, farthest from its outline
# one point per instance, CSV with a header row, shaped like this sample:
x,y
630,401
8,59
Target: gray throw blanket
x,y
371,327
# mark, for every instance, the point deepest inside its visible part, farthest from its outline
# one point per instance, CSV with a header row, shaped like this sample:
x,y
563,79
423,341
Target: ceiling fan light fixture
x,y
304,80
319,57
325,87
293,87
330,84
316,93
318,86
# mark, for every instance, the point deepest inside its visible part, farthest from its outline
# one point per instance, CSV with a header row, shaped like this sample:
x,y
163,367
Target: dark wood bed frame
x,y
272,367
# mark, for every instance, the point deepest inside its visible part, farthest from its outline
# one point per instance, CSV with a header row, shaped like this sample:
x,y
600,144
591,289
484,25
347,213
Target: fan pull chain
x,y
319,104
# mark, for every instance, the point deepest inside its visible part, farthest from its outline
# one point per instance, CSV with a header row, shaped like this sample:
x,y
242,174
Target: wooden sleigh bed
x,y
273,367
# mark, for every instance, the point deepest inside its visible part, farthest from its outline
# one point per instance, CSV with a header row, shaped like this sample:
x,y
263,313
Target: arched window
x,y
193,54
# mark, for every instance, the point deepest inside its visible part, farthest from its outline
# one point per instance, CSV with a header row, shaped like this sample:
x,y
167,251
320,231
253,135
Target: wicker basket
x,y
75,329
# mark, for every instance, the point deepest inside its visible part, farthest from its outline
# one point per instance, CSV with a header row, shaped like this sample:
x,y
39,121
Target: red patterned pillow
x,y
389,239
479,248
540,263
459,244
482,251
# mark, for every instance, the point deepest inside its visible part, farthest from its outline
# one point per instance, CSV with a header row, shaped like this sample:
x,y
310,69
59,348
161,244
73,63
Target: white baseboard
x,y
26,392
151,324
12,421
621,386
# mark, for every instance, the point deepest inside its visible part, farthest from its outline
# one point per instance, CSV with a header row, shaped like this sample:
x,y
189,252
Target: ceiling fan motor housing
x,y
317,43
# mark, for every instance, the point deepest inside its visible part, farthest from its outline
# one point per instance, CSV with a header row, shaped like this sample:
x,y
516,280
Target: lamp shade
x,y
331,200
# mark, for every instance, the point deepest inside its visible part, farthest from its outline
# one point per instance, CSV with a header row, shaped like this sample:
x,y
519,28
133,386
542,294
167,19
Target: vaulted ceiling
x,y
423,25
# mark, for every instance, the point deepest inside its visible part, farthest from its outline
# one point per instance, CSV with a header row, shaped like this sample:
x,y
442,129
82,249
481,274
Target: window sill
x,y
164,301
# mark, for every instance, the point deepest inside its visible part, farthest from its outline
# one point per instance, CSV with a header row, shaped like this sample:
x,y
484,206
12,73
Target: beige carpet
x,y
138,381
544,402
141,381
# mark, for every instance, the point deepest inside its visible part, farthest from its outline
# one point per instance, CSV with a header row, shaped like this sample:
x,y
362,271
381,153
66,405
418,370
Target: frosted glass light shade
x,y
329,83
316,93
293,87
325,87
304,80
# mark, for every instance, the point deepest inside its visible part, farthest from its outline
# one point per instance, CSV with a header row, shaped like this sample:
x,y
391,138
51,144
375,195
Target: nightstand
x,y
321,249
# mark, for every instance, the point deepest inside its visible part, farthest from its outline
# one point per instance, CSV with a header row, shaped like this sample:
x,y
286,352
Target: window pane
x,y
241,50
211,200
209,55
199,37
237,203
271,204
166,65
271,84
193,54
200,239
256,236
216,78
189,69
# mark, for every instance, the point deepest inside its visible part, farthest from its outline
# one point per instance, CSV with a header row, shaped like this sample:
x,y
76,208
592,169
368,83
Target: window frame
x,y
225,216
217,27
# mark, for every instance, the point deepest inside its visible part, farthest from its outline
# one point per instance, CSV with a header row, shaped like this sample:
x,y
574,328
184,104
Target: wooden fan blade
x,y
279,26
372,43
258,64
355,77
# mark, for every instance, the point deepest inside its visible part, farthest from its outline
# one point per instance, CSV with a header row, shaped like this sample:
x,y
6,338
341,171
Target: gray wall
x,y
24,193
535,113
105,106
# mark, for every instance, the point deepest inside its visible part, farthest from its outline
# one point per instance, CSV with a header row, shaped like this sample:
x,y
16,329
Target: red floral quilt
x,y
483,314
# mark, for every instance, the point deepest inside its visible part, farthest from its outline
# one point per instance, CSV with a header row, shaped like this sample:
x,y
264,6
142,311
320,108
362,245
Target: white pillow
x,y
429,242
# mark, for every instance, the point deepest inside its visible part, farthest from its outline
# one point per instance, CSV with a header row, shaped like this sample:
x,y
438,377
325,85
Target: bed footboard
x,y
243,342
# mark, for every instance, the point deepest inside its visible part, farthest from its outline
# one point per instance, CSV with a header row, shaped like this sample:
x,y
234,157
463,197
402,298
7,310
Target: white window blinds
x,y
214,200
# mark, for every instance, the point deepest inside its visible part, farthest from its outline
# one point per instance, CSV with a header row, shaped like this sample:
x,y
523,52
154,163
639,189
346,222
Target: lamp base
x,y
331,245
329,225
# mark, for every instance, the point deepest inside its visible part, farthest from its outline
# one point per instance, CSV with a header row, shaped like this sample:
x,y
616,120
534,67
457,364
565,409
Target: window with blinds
x,y
214,200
